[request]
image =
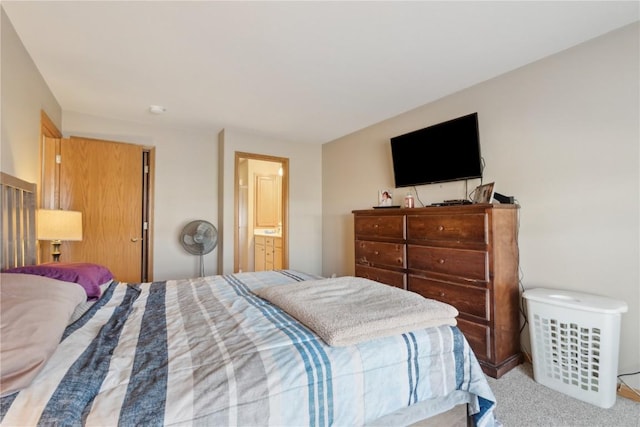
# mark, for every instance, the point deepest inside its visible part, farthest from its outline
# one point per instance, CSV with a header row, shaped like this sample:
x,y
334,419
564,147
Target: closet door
x,y
104,180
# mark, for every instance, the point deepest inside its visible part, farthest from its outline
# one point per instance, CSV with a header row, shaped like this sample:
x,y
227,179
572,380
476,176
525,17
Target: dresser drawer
x,y
388,226
471,300
468,264
380,254
471,228
479,338
393,278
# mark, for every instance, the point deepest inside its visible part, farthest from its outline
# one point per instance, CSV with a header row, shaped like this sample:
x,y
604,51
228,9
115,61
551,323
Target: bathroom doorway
x,y
261,220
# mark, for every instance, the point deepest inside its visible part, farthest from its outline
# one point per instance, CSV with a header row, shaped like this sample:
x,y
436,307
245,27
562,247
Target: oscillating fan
x,y
199,238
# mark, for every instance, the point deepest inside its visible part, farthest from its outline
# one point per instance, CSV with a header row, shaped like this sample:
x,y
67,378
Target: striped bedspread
x,y
208,351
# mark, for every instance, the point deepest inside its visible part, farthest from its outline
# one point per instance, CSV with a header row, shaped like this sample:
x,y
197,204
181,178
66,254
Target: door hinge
x,y
146,168
58,159
145,225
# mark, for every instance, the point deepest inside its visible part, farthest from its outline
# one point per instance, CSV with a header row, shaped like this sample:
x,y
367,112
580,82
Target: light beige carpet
x,y
523,402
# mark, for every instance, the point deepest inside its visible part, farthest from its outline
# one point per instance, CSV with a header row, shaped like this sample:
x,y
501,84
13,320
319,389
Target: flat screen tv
x,y
447,151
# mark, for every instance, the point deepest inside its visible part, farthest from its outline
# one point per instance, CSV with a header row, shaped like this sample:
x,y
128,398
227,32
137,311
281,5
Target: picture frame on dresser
x,y
385,198
484,193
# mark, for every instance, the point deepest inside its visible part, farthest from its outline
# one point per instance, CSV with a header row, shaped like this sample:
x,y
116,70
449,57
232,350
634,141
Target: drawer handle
x,y
441,228
376,253
442,294
441,261
375,226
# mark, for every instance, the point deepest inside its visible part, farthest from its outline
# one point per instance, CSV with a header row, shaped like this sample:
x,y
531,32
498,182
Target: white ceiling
x,y
302,71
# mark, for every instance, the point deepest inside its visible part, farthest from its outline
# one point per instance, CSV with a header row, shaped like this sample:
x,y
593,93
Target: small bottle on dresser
x,y
408,201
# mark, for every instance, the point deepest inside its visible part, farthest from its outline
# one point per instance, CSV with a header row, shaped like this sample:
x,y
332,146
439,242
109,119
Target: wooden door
x,y
277,253
259,254
268,253
266,201
104,180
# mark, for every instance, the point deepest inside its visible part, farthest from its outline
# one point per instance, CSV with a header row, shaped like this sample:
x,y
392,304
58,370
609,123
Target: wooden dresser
x,y
465,255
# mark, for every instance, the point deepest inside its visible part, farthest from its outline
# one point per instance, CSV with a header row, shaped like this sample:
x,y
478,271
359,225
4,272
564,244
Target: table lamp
x,y
58,225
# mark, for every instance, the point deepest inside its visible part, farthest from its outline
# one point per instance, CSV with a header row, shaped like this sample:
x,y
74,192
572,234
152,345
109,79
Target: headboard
x,y
18,217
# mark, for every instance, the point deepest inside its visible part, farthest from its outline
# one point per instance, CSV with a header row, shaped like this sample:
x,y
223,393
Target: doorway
x,y
261,214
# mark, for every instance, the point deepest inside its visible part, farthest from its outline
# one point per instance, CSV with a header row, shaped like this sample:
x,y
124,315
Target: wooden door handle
x,y
135,239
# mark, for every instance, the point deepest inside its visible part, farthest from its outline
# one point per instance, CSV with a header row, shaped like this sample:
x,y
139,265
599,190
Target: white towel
x,y
348,310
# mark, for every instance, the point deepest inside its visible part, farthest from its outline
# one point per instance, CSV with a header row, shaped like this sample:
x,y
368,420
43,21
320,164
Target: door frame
x,y
284,161
148,192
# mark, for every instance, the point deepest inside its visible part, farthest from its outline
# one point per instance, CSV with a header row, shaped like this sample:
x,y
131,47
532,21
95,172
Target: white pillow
x,y
34,312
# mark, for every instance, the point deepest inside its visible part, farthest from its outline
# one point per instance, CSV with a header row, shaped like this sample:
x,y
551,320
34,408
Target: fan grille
x,y
199,237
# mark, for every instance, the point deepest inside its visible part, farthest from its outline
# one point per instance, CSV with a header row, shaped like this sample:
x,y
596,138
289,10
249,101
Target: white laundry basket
x,y
575,341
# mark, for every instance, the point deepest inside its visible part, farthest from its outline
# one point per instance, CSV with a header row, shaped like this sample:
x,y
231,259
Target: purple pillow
x,y
89,276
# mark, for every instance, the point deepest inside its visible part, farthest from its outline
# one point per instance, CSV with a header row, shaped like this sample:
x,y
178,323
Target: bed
x,y
211,351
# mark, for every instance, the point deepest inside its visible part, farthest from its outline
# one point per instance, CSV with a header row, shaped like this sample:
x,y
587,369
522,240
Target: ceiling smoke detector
x,y
157,109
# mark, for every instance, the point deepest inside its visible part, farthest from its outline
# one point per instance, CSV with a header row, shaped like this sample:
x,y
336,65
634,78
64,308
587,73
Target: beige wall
x,y
24,94
562,135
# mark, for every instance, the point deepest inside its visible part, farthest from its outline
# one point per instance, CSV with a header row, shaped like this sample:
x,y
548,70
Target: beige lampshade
x,y
54,224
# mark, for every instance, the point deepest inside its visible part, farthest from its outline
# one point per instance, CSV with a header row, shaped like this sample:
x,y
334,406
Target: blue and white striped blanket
x,y
208,351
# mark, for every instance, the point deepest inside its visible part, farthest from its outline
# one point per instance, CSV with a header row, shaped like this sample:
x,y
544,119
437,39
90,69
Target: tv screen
x,y
448,151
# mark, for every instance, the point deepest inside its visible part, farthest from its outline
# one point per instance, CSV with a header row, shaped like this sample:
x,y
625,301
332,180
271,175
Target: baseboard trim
x,y
628,392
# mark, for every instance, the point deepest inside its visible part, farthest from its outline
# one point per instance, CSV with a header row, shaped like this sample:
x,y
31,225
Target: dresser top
x,y
476,207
